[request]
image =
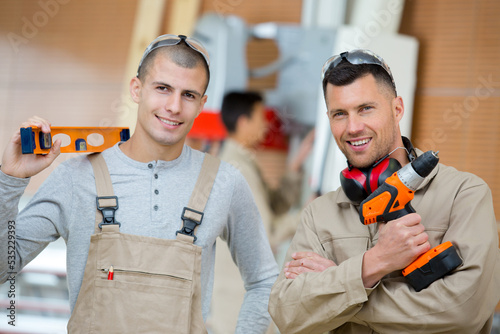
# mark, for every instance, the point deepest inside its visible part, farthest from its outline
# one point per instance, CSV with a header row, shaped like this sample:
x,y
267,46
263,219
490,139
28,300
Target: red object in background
x,y
208,126
275,138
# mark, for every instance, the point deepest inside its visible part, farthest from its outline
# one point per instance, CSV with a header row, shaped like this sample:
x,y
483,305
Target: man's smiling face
x,y
170,97
364,120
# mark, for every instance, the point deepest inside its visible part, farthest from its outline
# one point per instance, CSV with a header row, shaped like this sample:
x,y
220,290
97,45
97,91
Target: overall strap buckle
x,y
190,219
107,210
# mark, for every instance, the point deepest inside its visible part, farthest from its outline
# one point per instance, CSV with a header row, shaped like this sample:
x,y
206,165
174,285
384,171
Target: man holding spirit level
x,y
153,175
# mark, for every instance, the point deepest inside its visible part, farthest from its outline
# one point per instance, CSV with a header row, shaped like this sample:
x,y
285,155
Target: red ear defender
x,y
353,182
359,183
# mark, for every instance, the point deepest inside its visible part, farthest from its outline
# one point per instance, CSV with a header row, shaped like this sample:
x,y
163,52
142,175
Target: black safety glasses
x,y
357,57
170,40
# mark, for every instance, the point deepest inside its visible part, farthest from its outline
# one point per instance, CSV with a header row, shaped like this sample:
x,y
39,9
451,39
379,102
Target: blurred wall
x,y
457,102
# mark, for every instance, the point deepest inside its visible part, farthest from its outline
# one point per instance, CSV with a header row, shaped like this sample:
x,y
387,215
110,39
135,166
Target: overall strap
x,y
192,215
106,201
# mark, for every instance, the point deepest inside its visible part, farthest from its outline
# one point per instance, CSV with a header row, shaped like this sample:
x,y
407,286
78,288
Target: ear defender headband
x,y
359,183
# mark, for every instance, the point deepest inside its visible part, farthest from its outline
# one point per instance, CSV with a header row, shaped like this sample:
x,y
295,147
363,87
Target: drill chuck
x,y
392,199
414,173
424,164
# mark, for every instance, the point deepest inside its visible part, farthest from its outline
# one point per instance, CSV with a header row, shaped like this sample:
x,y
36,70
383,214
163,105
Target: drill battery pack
x,y
432,265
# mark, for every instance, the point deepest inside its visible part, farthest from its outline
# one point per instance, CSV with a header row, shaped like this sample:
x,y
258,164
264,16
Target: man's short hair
x,y
346,73
237,104
181,54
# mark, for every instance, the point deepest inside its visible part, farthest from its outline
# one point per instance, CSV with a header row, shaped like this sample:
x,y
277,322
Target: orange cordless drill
x,y
392,200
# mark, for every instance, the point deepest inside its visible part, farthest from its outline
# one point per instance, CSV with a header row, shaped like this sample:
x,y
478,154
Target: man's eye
x,y
366,108
338,114
189,95
162,88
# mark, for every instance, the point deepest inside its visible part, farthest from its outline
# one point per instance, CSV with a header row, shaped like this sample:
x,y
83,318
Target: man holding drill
x,y
345,277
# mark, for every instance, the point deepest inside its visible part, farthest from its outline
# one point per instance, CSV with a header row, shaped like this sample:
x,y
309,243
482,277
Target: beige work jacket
x,y
454,206
272,203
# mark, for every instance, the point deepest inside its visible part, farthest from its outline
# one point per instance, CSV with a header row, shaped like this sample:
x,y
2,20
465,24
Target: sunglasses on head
x,y
357,57
170,40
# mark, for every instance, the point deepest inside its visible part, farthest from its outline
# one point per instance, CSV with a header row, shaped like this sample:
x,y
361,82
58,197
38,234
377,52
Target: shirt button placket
x,y
156,206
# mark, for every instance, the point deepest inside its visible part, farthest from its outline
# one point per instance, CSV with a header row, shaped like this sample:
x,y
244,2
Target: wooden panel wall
x,y
457,103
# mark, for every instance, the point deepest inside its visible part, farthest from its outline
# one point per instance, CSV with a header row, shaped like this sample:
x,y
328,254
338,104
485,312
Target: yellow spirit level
x,y
33,140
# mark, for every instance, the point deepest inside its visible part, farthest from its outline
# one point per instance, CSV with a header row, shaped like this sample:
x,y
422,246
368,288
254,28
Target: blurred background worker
x,y
243,115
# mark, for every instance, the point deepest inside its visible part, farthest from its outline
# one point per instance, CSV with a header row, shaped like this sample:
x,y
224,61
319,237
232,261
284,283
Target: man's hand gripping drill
x,y
391,201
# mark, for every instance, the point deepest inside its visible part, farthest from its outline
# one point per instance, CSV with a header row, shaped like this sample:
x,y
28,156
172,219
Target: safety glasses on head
x,y
357,57
170,40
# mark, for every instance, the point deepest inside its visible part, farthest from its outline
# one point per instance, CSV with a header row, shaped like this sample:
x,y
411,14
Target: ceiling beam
x,y
148,25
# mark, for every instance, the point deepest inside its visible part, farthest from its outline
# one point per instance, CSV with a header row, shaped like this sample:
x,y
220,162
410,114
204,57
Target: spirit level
x,y
33,140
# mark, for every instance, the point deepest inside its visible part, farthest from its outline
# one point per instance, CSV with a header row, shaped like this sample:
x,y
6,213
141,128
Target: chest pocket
x,y
435,218
341,249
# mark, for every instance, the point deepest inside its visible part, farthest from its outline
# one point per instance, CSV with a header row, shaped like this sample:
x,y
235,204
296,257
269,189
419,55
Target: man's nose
x,y
355,124
174,103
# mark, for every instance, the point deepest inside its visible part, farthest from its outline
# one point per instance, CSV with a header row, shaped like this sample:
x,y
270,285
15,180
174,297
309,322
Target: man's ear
x,y
202,104
135,89
241,123
398,108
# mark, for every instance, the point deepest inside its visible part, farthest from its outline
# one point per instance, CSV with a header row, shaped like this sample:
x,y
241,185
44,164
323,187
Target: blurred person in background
x,y
243,115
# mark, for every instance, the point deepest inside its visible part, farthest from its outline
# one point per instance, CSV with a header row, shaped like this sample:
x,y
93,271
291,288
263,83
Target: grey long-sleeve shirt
x,y
151,198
